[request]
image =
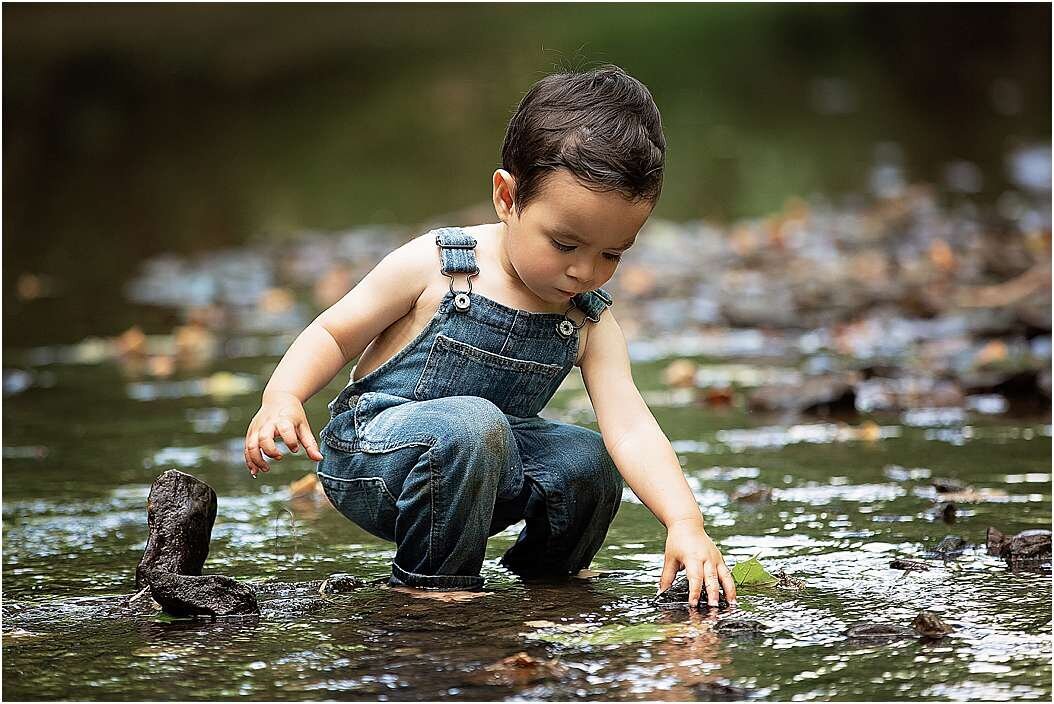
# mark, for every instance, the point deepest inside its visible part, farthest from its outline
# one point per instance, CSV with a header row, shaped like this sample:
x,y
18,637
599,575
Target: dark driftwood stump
x,y
180,512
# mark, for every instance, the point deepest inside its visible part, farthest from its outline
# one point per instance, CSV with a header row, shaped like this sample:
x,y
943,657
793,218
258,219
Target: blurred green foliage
x,y
135,129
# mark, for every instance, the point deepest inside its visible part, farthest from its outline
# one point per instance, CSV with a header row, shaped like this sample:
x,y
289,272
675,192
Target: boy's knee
x,y
474,424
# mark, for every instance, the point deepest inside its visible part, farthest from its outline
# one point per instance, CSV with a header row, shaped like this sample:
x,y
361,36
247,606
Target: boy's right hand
x,y
281,415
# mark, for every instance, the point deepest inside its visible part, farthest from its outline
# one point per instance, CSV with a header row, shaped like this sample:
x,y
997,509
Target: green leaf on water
x,y
750,573
609,634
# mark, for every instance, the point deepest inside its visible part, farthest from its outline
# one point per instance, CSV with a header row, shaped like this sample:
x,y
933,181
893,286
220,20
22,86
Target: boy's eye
x,y
569,248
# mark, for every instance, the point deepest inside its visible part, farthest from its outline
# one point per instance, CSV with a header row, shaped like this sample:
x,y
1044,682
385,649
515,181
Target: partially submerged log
x,y
181,510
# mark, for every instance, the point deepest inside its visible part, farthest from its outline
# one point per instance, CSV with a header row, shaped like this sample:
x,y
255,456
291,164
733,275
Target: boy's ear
x,y
504,194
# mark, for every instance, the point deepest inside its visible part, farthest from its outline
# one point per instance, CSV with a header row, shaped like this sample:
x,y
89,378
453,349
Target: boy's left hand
x,y
689,547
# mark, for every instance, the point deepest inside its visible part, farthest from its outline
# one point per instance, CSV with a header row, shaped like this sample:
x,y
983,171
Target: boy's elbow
x,y
324,329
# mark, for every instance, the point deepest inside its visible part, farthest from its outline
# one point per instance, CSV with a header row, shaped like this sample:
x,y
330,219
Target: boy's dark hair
x,y
601,125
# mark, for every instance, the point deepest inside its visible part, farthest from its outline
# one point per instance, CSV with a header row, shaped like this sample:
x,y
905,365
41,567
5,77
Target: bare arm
x,y
333,339
648,463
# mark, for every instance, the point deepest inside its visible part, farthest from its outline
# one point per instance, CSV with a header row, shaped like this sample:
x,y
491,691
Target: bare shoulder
x,y
415,256
391,290
605,344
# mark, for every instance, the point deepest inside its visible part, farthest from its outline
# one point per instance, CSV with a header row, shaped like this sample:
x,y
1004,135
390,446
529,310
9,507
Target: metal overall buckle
x,y
462,302
567,327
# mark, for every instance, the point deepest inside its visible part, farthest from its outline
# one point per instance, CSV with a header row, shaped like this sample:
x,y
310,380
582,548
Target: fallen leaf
x,y
750,573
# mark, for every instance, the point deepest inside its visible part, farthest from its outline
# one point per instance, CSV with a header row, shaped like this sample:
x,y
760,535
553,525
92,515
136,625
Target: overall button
x,y
462,302
565,327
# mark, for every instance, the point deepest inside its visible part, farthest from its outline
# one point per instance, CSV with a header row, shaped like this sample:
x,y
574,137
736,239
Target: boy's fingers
x,y
267,442
711,584
727,583
253,460
669,573
695,584
310,446
288,433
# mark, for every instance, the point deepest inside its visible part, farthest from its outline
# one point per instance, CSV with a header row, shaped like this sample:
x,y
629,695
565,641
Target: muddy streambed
x,y
844,504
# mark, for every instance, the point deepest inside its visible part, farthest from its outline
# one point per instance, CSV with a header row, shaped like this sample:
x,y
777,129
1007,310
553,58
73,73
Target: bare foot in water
x,y
450,596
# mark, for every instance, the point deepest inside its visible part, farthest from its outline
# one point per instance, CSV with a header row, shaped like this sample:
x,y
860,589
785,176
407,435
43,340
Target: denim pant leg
x,y
575,492
427,475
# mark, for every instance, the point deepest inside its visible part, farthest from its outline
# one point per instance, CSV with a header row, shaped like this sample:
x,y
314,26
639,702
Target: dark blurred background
x,y
131,130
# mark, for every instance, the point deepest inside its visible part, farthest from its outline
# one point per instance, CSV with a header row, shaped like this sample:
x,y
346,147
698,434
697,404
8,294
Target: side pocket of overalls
x,y
351,478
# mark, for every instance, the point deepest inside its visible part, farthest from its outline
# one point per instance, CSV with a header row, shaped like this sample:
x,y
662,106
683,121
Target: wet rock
x,y
738,627
1029,546
788,582
878,632
997,541
181,510
950,546
946,511
209,595
751,493
947,486
826,395
929,625
719,691
1027,549
341,584
676,597
909,565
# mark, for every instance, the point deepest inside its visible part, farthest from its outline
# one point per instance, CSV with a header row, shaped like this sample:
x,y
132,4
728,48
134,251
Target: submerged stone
x,y
739,627
719,691
341,584
949,546
209,595
929,625
879,632
909,565
676,597
181,510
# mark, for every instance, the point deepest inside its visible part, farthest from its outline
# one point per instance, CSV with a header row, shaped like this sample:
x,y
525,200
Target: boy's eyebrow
x,y
571,236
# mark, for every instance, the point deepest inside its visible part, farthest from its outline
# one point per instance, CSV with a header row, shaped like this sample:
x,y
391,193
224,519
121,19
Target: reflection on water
x,y
835,519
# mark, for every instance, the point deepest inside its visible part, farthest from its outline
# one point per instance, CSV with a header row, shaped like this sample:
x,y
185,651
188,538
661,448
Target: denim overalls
x,y
441,446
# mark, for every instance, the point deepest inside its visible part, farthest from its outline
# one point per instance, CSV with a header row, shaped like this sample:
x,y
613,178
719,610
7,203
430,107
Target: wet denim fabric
x,y
441,446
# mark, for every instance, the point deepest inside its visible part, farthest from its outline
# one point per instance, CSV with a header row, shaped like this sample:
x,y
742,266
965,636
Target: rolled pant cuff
x,y
401,577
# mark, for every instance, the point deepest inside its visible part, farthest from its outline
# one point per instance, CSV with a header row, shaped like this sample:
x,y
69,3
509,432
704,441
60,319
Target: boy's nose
x,y
582,274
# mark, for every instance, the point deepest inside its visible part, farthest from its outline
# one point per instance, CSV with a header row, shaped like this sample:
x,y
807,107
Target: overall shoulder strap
x,y
593,303
457,251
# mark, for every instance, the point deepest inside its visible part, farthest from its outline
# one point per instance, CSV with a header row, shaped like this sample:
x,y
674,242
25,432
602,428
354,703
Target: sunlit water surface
x,y
79,458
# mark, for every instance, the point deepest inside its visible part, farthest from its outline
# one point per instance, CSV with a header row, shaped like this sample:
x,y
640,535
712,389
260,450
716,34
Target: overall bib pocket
x,y
456,368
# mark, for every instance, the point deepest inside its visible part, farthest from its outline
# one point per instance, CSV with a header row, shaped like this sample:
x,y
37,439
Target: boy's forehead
x,y
566,207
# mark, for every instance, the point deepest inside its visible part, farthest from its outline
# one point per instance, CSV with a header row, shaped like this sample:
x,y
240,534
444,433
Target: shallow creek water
x,y
79,458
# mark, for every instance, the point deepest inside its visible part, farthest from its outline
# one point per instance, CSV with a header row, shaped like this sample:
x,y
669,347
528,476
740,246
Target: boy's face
x,y
569,238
